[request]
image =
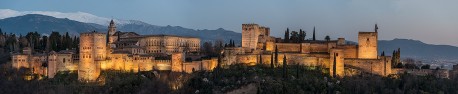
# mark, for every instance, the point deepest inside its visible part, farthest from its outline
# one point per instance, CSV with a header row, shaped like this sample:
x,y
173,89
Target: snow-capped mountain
x,y
45,24
76,16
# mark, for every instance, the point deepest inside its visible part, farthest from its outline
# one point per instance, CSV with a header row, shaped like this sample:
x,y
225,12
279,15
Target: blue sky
x,y
431,21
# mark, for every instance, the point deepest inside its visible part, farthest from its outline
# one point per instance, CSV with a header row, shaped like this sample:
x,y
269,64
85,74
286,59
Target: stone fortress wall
x,y
130,52
363,56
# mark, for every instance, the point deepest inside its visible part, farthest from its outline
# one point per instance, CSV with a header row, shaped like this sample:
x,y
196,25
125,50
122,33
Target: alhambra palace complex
x,y
131,52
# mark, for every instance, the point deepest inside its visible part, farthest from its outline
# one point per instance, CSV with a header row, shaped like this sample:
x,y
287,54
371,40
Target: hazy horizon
x,y
432,22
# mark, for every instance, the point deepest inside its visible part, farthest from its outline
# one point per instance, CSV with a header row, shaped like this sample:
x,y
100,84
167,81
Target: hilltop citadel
x,y
131,52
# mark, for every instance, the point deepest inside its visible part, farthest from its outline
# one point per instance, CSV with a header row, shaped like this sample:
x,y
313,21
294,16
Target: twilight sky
x,y
431,21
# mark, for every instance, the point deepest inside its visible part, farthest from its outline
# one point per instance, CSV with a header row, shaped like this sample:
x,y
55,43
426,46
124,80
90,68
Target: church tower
x,y
111,31
111,28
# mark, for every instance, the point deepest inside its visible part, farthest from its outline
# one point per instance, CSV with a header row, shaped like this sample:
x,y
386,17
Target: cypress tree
x,y
393,60
285,71
334,66
272,61
287,35
314,33
375,28
260,59
233,43
297,70
276,55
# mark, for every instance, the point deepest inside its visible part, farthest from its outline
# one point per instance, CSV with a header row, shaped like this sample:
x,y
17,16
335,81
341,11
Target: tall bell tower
x,y
111,31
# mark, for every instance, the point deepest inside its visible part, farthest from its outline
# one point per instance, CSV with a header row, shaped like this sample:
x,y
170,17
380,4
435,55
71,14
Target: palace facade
x,y
115,50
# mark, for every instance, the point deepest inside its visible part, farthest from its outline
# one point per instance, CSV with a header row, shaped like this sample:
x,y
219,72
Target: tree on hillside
x,y
314,34
34,39
55,41
334,66
294,38
44,43
297,70
12,43
285,71
272,60
327,38
207,48
260,59
67,41
276,55
286,40
302,35
23,42
410,63
218,47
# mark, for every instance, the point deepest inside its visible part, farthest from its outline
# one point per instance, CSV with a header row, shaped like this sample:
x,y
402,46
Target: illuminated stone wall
x,y
292,58
288,47
319,47
60,62
230,55
145,63
130,65
350,51
380,66
169,44
177,62
20,61
247,59
210,64
65,63
190,67
117,62
367,45
162,64
270,46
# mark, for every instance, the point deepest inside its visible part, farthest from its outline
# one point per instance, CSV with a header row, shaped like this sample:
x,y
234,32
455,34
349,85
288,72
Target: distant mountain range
x,y
44,24
417,49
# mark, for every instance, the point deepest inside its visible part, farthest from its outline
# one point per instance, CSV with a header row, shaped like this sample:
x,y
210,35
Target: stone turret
x,y
250,34
92,52
367,45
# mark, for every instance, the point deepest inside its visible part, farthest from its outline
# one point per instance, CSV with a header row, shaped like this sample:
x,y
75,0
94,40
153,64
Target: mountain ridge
x,y
44,24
